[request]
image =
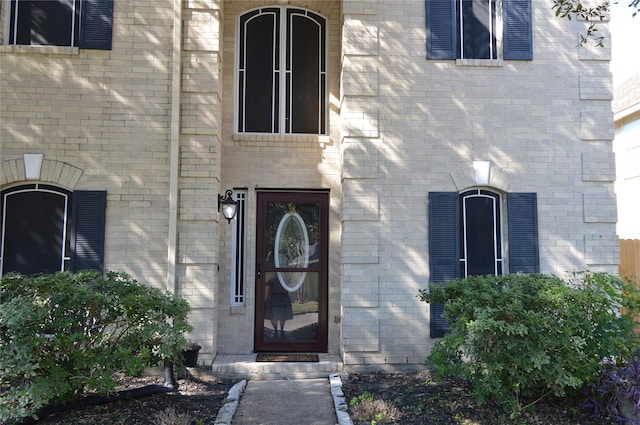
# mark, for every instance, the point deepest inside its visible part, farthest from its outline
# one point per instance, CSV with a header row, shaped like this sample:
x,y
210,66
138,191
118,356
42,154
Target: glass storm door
x,y
291,272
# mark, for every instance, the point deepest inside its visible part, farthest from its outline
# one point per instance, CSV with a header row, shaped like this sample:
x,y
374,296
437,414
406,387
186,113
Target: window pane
x,y
282,92
305,75
478,20
291,315
480,234
44,22
34,232
238,255
260,104
287,218
480,245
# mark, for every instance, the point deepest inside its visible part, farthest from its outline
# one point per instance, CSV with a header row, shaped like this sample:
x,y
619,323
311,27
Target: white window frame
x,y
497,199
64,255
493,55
281,72
8,37
627,140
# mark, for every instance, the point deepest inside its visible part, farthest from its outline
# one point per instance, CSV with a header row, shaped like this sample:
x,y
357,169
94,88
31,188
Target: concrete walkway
x,y
318,401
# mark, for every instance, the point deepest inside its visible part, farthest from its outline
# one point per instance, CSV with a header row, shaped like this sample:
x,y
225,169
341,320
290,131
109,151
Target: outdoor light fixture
x,y
227,205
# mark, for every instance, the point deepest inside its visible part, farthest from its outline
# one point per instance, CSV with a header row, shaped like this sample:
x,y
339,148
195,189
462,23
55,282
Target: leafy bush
x,y
616,392
61,334
524,337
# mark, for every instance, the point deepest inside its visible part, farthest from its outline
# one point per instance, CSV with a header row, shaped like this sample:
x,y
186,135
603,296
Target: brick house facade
x,y
158,120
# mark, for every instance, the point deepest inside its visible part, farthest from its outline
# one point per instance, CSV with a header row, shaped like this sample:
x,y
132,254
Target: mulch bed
x,y
415,396
199,399
420,401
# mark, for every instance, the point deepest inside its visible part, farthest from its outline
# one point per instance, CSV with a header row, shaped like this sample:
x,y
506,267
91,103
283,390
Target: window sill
x,y
250,139
40,50
486,63
238,310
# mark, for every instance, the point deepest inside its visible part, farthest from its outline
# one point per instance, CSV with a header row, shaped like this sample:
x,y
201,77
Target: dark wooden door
x,y
291,272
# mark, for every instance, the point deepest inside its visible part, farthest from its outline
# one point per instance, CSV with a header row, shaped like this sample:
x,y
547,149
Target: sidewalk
x,y
316,401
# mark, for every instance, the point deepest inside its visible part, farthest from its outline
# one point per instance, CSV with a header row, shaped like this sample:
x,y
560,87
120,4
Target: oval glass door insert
x,y
291,250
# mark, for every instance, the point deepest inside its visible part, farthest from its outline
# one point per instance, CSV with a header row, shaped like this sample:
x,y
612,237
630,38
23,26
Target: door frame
x,y
263,198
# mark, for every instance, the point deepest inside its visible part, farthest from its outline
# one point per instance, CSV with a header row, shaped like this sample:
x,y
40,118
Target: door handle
x,y
259,270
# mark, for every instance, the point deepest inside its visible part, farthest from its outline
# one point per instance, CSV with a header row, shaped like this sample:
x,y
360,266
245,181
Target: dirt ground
x,y
195,403
413,397
418,400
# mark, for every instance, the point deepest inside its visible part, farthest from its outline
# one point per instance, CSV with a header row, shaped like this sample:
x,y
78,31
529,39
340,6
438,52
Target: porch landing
x,y
244,366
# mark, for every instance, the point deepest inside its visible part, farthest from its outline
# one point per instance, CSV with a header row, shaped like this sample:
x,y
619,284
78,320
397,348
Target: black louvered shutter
x,y
87,230
517,17
444,258
96,24
441,29
523,233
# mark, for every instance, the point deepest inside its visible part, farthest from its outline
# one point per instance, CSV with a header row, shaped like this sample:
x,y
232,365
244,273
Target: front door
x,y
291,271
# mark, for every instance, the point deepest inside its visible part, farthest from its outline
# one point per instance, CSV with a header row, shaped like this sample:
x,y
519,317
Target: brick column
x,y
199,170
601,244
360,212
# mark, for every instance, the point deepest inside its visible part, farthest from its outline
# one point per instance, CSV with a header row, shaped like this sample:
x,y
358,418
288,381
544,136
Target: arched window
x,y
481,236
282,72
46,229
466,238
34,230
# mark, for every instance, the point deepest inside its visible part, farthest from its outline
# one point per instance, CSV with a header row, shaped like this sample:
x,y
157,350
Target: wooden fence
x,y
630,262
630,258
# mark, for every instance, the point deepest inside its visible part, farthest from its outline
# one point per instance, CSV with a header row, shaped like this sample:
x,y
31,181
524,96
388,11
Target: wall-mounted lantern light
x,y
227,205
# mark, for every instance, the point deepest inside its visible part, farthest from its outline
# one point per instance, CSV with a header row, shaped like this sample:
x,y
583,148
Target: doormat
x,y
279,357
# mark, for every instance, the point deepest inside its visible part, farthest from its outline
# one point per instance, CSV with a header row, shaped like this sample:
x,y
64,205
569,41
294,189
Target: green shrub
x,y
62,334
522,337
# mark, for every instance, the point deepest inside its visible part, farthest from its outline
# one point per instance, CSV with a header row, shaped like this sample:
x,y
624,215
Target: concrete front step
x,y
244,366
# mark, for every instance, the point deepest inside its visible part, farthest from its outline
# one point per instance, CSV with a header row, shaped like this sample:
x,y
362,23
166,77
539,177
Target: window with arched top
x,y
469,235
281,85
46,229
481,233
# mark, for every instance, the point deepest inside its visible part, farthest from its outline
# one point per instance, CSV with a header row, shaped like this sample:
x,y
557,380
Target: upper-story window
x,y
71,23
476,26
282,72
479,29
